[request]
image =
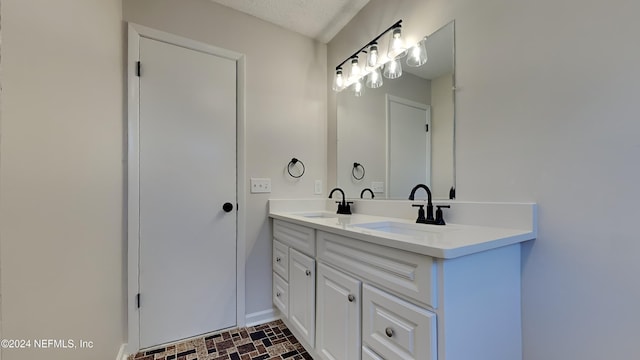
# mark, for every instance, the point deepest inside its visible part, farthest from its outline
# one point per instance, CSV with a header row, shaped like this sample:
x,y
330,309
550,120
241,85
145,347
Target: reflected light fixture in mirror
x,y
358,87
374,79
418,54
393,69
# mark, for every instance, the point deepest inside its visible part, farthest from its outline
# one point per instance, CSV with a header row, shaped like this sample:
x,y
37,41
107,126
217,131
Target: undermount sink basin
x,y
401,228
319,214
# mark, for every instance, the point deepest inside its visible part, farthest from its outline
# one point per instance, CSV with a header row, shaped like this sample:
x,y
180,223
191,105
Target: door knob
x,y
227,207
351,298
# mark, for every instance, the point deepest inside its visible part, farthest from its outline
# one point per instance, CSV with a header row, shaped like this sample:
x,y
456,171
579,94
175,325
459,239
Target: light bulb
x,y
393,69
338,81
372,56
358,88
374,79
417,54
396,45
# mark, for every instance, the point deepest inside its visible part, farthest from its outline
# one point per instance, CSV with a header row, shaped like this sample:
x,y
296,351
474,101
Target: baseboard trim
x,y
122,353
261,317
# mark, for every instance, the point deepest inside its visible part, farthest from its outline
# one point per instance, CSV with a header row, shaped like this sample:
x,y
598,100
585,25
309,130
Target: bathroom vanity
x,y
366,286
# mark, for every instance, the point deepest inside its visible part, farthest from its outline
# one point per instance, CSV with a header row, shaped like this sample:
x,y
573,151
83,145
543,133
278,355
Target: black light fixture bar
x,y
375,40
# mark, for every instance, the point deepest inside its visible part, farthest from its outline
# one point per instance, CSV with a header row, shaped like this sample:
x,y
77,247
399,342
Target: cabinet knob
x,y
351,298
278,294
278,259
308,272
388,331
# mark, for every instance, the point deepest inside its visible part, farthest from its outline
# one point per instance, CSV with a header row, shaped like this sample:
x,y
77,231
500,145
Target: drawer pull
x,y
278,294
308,272
389,332
278,259
351,298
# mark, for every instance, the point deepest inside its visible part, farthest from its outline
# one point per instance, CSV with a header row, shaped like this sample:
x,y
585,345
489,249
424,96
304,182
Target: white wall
x,y
363,128
285,109
61,176
546,112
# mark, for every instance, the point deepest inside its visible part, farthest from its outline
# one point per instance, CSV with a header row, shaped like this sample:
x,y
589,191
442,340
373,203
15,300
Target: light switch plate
x,y
317,187
377,186
260,185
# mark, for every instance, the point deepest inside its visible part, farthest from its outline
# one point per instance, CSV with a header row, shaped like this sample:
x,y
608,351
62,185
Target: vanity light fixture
x,y
372,63
374,69
372,56
355,69
338,80
396,45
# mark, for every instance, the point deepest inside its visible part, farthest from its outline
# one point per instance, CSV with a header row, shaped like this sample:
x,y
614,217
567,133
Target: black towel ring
x,y
293,163
353,171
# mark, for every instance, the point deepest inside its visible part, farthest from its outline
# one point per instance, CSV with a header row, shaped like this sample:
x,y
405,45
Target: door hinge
x,y
427,127
138,66
138,300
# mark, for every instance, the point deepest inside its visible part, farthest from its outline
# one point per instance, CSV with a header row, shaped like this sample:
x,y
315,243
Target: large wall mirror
x,y
402,133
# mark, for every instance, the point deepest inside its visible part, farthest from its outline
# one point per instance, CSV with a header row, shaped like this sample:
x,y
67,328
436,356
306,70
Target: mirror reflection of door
x,y
408,145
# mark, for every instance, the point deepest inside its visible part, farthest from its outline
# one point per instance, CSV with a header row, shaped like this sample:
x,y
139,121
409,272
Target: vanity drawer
x,y
396,329
408,274
281,295
281,259
298,237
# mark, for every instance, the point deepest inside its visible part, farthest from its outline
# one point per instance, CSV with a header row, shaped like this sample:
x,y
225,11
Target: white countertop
x,y
446,242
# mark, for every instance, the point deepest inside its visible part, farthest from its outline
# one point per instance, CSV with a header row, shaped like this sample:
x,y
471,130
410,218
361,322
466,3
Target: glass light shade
x,y
396,47
355,70
392,69
358,88
417,55
338,81
374,79
372,56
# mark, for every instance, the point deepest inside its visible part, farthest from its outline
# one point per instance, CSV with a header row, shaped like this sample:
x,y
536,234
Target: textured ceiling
x,y
317,19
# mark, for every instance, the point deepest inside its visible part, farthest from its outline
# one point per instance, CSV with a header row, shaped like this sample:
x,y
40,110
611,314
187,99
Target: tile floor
x,y
270,341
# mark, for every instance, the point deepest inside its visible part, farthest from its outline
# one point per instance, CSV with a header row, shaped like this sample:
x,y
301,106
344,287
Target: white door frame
x,y
133,174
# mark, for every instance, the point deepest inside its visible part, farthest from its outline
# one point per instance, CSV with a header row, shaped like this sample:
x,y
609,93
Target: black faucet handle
x,y
344,209
421,219
439,218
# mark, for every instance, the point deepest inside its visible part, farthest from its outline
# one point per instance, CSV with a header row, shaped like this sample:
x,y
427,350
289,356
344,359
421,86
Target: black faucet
x,y
343,206
429,219
365,190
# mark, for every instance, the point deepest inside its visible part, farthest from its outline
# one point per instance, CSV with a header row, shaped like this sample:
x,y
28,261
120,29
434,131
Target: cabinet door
x,y
396,329
338,315
302,295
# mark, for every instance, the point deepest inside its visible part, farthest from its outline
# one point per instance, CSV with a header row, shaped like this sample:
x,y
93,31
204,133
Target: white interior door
x,y
187,171
409,146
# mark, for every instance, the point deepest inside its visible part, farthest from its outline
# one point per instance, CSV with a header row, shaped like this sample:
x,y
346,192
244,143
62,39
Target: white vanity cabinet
x,y
350,299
